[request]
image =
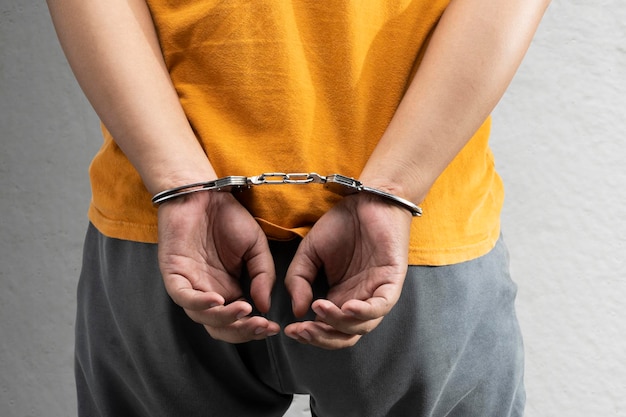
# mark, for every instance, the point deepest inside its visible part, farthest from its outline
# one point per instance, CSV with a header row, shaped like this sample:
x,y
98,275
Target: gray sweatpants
x,y
450,347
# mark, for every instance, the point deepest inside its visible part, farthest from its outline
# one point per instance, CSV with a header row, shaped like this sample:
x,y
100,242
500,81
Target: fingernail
x,y
241,315
305,335
259,330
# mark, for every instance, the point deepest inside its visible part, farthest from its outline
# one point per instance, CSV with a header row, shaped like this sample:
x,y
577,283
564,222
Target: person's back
x,y
394,94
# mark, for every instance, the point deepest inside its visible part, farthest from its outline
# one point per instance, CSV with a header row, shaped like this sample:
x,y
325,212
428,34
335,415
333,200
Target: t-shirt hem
x,y
148,233
124,230
455,255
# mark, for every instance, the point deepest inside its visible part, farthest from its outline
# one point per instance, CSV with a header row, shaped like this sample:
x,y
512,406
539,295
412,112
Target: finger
x,y
222,315
183,294
244,330
260,265
370,309
344,320
300,275
301,294
321,335
379,303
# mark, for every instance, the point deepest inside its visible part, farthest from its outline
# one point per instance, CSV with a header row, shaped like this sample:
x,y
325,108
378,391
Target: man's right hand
x,y
204,241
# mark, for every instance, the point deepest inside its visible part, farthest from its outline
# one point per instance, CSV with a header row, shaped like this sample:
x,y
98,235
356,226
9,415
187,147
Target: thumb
x,y
301,273
260,265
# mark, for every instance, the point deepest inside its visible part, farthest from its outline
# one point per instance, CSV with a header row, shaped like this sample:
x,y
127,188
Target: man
x,y
396,94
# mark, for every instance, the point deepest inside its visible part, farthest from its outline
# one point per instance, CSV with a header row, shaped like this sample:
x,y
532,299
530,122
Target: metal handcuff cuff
x,y
336,183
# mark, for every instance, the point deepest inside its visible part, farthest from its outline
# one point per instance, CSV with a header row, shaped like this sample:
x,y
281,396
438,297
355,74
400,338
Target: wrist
x,y
176,175
345,185
401,183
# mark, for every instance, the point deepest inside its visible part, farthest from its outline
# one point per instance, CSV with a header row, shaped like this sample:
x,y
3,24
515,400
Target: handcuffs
x,y
336,183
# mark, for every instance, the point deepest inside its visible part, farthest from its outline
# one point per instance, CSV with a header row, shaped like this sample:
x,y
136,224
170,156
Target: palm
x,y
368,257
362,245
203,244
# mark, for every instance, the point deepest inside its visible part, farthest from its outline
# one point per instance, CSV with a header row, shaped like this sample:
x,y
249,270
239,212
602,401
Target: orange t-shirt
x,y
302,86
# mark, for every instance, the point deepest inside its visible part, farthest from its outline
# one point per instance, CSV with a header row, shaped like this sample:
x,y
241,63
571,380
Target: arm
x,y
113,50
472,57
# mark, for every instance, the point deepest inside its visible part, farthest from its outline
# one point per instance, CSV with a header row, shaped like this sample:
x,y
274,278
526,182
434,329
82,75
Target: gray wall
x,y
560,146
48,135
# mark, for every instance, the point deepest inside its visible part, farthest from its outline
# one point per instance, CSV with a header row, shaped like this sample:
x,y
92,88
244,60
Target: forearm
x,y
471,59
113,50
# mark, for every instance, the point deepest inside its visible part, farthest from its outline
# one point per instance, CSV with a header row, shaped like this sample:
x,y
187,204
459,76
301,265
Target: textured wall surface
x,y
560,146
561,143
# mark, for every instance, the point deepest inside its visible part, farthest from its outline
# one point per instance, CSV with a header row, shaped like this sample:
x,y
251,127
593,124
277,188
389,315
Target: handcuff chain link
x,y
336,183
286,178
